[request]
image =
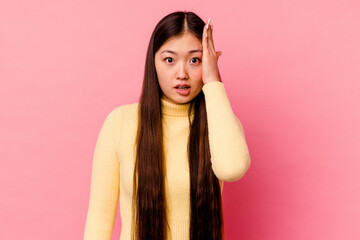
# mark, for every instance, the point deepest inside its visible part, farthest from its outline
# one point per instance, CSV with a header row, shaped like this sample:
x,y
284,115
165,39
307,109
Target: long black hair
x,y
149,203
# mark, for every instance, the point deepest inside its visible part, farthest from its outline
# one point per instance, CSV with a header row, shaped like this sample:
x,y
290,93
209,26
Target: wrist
x,y
211,80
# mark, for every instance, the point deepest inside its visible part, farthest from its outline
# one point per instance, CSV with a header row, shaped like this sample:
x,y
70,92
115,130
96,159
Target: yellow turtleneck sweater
x,y
114,158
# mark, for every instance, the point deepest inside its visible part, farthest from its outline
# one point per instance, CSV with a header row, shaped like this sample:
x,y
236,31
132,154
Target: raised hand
x,y
210,70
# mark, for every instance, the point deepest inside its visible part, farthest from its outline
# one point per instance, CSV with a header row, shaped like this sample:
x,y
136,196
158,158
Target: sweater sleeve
x,y
105,182
230,156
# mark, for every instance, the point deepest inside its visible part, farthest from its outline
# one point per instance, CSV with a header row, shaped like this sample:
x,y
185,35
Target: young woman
x,y
169,154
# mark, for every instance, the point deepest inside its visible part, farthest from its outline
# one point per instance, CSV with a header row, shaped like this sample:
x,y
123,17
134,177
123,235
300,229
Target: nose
x,y
182,72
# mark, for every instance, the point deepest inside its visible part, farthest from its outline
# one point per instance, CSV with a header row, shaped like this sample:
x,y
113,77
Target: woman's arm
x,y
229,152
104,190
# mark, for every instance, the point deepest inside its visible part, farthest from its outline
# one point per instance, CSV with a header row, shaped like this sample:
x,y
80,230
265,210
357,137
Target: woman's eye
x,y
197,59
168,58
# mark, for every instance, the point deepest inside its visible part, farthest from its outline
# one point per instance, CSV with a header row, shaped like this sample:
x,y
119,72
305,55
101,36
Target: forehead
x,y
181,44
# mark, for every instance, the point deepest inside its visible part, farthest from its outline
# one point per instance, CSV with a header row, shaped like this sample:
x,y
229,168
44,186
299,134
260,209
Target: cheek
x,y
198,74
161,74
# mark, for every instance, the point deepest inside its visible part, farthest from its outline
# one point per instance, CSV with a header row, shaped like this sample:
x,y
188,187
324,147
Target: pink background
x,y
291,70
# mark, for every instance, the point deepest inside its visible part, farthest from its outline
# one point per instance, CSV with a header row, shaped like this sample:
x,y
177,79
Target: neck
x,y
175,109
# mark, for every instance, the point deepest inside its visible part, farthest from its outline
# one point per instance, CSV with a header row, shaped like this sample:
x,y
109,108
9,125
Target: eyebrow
x,y
191,51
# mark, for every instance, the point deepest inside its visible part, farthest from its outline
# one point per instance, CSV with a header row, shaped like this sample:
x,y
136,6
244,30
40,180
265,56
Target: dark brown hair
x,y
149,203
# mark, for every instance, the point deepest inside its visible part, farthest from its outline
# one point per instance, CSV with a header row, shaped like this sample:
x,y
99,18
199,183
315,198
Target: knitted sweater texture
x,y
114,159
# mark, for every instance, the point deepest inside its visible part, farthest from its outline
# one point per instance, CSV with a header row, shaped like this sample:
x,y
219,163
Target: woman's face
x,y
178,61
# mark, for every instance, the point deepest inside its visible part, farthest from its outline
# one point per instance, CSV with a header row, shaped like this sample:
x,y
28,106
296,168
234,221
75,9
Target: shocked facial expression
x,y
178,61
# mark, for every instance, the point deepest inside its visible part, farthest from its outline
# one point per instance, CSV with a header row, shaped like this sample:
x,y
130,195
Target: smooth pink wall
x,y
291,70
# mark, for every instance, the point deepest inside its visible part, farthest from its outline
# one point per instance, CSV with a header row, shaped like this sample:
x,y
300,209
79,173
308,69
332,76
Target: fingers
x,y
205,39
208,41
211,41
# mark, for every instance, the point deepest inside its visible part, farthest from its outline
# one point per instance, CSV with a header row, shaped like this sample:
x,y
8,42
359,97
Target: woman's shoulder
x,y
126,107
124,111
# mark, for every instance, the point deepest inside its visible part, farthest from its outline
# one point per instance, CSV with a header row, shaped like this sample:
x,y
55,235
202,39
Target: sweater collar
x,y
174,109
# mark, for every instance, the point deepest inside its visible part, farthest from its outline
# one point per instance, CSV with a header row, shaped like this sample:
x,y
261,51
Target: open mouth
x,y
182,87
183,90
